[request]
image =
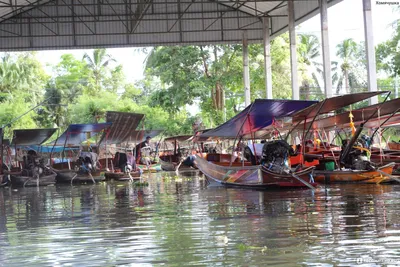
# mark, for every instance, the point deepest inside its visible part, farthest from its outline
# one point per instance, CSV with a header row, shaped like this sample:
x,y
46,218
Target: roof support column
x,y
293,51
326,58
246,70
267,57
370,50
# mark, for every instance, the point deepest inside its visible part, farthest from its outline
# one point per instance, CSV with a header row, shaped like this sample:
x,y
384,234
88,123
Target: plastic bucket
x,y
330,166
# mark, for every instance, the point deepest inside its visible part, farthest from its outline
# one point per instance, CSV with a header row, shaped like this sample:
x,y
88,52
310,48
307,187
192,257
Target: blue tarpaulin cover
x,y
260,114
76,133
49,149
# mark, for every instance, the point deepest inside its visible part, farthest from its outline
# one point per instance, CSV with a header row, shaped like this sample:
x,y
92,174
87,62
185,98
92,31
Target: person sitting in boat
x,y
125,162
190,160
276,156
145,152
87,161
145,143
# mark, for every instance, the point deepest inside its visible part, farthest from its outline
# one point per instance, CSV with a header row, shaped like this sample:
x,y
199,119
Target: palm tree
x,y
309,58
98,63
347,52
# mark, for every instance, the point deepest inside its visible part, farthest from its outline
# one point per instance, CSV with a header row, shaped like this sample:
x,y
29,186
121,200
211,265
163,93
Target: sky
x,y
345,21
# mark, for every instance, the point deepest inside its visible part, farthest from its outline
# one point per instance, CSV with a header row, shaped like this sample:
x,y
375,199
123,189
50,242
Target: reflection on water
x,y
185,221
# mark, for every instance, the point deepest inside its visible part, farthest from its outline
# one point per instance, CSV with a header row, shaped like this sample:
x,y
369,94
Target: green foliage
x,y
10,110
71,77
387,54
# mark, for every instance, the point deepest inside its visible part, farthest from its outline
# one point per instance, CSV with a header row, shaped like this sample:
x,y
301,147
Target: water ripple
x,y
186,222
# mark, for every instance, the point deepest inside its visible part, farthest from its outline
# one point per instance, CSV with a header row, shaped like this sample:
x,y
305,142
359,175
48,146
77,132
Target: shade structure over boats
x,y
123,124
360,115
51,149
260,114
28,137
140,136
77,133
333,104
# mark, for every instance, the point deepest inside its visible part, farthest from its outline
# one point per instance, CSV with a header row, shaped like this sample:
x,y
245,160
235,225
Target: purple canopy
x,y
260,114
76,133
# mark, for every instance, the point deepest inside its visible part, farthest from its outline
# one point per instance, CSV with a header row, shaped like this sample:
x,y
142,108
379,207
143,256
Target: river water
x,y
185,221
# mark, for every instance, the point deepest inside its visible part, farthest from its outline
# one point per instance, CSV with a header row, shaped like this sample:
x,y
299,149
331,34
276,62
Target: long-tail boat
x,y
122,131
32,170
261,114
346,166
174,160
84,167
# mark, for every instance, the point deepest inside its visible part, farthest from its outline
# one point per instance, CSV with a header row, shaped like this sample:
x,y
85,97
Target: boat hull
x,y
151,168
18,180
121,176
363,177
68,176
252,176
171,166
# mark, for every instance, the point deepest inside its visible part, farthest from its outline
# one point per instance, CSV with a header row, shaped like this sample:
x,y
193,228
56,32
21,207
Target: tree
x,y
97,63
310,65
21,75
348,75
71,77
388,56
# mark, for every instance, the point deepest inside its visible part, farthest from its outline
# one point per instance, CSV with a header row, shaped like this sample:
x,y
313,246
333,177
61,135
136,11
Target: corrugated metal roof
x,y
123,124
62,24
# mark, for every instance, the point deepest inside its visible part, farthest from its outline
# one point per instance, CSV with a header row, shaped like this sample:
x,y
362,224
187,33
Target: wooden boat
x,y
355,176
4,180
253,121
19,179
76,171
355,154
34,172
394,146
252,176
171,160
170,163
156,167
71,176
121,176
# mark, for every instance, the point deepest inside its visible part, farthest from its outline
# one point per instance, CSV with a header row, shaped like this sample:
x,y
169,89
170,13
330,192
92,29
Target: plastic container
x,y
330,166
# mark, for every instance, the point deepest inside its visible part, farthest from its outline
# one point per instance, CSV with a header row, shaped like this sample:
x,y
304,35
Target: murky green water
x,y
185,222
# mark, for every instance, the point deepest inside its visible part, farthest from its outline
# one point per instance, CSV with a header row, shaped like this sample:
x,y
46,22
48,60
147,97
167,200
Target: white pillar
x,y
370,50
246,70
293,51
326,58
267,57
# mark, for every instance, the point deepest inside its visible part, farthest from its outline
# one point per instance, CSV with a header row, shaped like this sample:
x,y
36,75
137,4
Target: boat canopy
x,y
50,149
123,124
332,104
28,137
179,138
359,115
77,133
260,114
140,136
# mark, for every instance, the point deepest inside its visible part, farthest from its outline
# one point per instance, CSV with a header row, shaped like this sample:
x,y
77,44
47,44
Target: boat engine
x,y
358,158
275,155
33,164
